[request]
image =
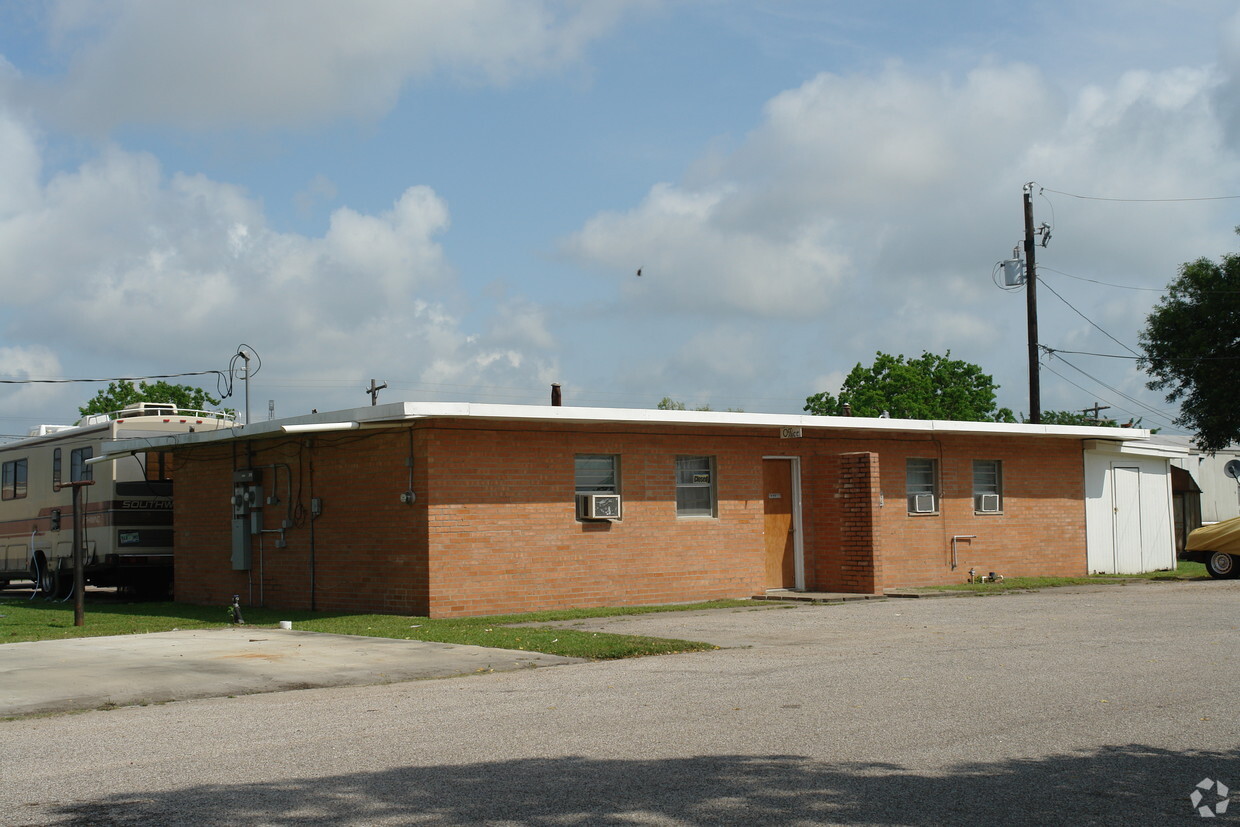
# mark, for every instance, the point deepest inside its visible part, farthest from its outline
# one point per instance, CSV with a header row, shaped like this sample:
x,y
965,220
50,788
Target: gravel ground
x,y
1097,705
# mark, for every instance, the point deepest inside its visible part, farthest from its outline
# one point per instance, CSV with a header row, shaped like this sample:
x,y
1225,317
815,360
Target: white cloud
x,y
158,274
695,258
24,363
878,204
292,62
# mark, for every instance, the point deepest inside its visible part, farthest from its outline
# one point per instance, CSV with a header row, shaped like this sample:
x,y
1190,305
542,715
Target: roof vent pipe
x,y
555,395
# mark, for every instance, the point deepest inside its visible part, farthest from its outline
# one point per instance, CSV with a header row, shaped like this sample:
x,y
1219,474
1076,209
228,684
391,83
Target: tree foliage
x,y
669,404
121,395
1191,345
928,387
1073,418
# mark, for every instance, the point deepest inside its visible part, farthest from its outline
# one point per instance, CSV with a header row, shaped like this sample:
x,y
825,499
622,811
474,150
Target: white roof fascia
x,y
392,414
1141,449
1189,444
418,410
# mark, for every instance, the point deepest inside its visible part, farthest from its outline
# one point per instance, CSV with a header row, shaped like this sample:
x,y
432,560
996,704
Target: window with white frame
x,y
921,485
15,474
695,486
987,486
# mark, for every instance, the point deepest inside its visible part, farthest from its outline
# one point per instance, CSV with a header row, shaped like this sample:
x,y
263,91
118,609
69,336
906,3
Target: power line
x,y
1140,200
1155,411
112,379
1043,267
1104,283
1053,350
1096,395
1091,321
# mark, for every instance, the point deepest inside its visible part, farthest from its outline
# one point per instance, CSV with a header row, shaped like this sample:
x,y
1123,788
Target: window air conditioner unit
x,y
598,506
923,503
988,503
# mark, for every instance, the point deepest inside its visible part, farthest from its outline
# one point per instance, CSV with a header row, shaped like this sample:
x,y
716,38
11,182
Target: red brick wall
x,y
493,529
504,536
365,552
1040,532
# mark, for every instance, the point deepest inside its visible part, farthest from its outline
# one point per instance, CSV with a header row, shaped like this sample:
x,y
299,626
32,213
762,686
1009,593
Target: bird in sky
x,y
639,272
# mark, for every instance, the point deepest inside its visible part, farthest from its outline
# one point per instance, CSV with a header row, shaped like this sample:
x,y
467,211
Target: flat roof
x,y
395,413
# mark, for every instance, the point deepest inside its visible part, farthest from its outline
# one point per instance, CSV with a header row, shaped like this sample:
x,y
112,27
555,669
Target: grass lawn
x,y
26,620
1186,570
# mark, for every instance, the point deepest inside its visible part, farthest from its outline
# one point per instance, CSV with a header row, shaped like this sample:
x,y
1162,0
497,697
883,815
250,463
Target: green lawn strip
x,y
1185,570
28,620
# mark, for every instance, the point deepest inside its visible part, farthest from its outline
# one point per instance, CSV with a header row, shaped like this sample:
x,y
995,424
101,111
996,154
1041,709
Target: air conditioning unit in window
x,y
598,506
988,503
923,503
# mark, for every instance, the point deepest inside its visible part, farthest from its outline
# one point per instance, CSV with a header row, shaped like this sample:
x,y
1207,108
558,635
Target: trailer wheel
x,y
46,579
1221,566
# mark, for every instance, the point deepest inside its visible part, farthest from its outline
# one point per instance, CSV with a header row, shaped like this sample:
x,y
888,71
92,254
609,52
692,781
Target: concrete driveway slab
x,y
95,672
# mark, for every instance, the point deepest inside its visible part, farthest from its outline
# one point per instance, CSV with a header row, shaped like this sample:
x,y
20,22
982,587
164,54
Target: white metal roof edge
x,y
416,410
393,413
1142,448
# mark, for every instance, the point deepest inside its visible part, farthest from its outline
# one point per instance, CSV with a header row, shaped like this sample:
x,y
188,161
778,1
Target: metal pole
x,y
1031,307
79,556
246,357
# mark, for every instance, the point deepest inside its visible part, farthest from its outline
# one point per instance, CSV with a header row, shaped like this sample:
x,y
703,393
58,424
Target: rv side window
x,y
56,470
78,469
14,473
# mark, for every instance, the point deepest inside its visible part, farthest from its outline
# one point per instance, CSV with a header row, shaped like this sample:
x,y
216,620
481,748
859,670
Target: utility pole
x,y
373,390
1031,303
1095,410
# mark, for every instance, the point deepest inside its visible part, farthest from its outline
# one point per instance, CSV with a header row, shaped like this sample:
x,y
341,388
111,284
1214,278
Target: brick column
x,y
860,546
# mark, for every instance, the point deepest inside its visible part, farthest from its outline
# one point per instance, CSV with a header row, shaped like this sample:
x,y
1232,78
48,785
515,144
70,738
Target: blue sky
x,y
454,198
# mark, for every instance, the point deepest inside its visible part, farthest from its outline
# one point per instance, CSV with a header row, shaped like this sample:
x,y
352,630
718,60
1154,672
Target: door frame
x,y
798,546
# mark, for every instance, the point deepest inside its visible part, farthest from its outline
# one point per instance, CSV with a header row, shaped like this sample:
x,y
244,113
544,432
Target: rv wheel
x,y
1221,566
48,580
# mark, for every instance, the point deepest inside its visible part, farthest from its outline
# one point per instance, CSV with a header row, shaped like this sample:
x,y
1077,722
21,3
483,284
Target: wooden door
x,y
778,524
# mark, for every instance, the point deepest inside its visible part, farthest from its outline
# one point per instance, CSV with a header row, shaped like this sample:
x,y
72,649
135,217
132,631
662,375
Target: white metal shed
x,y
1128,511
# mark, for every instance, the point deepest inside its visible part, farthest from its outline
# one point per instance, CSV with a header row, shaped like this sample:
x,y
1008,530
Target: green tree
x,y
1072,418
1191,345
121,395
929,387
669,404
1078,418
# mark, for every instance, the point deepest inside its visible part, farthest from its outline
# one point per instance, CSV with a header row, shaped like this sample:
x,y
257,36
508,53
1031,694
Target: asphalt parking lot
x,y
1102,705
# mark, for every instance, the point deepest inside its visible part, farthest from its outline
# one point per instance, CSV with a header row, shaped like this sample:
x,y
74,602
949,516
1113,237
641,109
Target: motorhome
x,y
126,505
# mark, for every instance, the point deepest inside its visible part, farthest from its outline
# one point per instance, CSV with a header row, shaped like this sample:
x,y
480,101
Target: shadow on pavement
x,y
1130,784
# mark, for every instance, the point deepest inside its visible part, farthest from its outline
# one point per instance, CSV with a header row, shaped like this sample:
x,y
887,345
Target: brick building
x,y
449,509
